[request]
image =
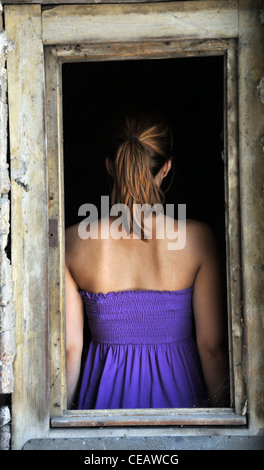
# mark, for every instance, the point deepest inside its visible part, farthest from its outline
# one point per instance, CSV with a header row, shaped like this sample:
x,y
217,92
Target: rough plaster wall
x,y
7,321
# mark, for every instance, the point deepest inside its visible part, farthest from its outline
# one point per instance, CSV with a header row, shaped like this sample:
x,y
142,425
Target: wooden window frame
x,y
54,58
45,39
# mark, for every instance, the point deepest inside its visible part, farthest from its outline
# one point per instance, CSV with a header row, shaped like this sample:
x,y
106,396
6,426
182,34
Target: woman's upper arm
x,y
209,295
74,313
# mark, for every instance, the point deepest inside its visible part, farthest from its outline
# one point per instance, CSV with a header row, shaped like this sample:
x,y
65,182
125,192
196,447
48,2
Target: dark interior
x,y
189,91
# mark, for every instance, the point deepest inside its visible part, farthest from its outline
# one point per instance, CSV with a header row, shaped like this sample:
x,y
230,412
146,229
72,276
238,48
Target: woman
x,y
141,298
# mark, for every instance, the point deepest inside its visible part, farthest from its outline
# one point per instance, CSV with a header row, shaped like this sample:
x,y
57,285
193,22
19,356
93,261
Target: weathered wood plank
x,y
162,417
56,250
140,50
29,240
251,163
78,24
233,237
65,2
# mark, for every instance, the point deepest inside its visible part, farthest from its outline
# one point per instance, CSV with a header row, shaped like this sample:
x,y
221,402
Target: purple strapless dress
x,y
142,353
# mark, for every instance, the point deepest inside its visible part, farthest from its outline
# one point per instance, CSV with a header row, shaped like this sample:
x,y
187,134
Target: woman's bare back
x,y
105,265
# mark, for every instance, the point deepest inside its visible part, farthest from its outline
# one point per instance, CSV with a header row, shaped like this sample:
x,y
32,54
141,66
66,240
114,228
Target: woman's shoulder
x,y
71,241
84,236
195,230
71,234
198,229
200,238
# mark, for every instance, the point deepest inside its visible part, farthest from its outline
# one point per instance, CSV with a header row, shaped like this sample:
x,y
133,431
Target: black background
x,y
189,91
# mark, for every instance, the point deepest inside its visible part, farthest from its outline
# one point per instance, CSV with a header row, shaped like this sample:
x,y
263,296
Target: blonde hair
x,y
140,144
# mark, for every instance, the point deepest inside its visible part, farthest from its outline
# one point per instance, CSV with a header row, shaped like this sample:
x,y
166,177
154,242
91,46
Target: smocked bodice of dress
x,y
139,317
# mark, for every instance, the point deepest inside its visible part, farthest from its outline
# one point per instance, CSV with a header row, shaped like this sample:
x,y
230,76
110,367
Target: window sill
x,y
149,417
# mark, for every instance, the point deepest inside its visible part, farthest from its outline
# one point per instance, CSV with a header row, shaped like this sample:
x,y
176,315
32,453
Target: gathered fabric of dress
x,y
142,353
